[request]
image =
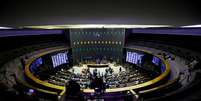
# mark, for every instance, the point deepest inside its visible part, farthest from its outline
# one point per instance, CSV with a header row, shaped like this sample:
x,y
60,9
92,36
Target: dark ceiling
x,y
51,12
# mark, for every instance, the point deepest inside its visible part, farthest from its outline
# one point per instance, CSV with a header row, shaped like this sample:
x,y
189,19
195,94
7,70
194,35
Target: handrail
x,y
159,87
35,88
19,77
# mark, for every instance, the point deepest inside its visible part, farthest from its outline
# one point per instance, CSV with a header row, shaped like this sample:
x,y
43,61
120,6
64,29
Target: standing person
x,y
120,69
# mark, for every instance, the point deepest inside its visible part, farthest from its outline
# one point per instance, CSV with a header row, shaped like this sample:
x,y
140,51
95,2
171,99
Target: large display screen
x,y
59,59
162,67
156,61
134,58
35,64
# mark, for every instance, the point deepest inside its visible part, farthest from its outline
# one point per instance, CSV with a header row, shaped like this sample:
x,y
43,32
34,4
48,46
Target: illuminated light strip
x,y
94,26
5,28
192,26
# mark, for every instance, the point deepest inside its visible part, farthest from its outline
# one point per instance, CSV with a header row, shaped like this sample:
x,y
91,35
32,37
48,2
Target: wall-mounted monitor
x,y
35,64
156,60
162,67
59,58
133,57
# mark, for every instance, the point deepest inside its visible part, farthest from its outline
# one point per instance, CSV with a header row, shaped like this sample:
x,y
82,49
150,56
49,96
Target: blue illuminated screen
x,y
134,58
156,61
162,67
59,59
35,64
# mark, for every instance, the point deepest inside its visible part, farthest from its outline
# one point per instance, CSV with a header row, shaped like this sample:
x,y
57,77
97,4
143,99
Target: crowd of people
x,y
132,76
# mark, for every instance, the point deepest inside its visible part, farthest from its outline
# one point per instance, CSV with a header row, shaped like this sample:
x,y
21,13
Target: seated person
x,y
98,85
73,92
